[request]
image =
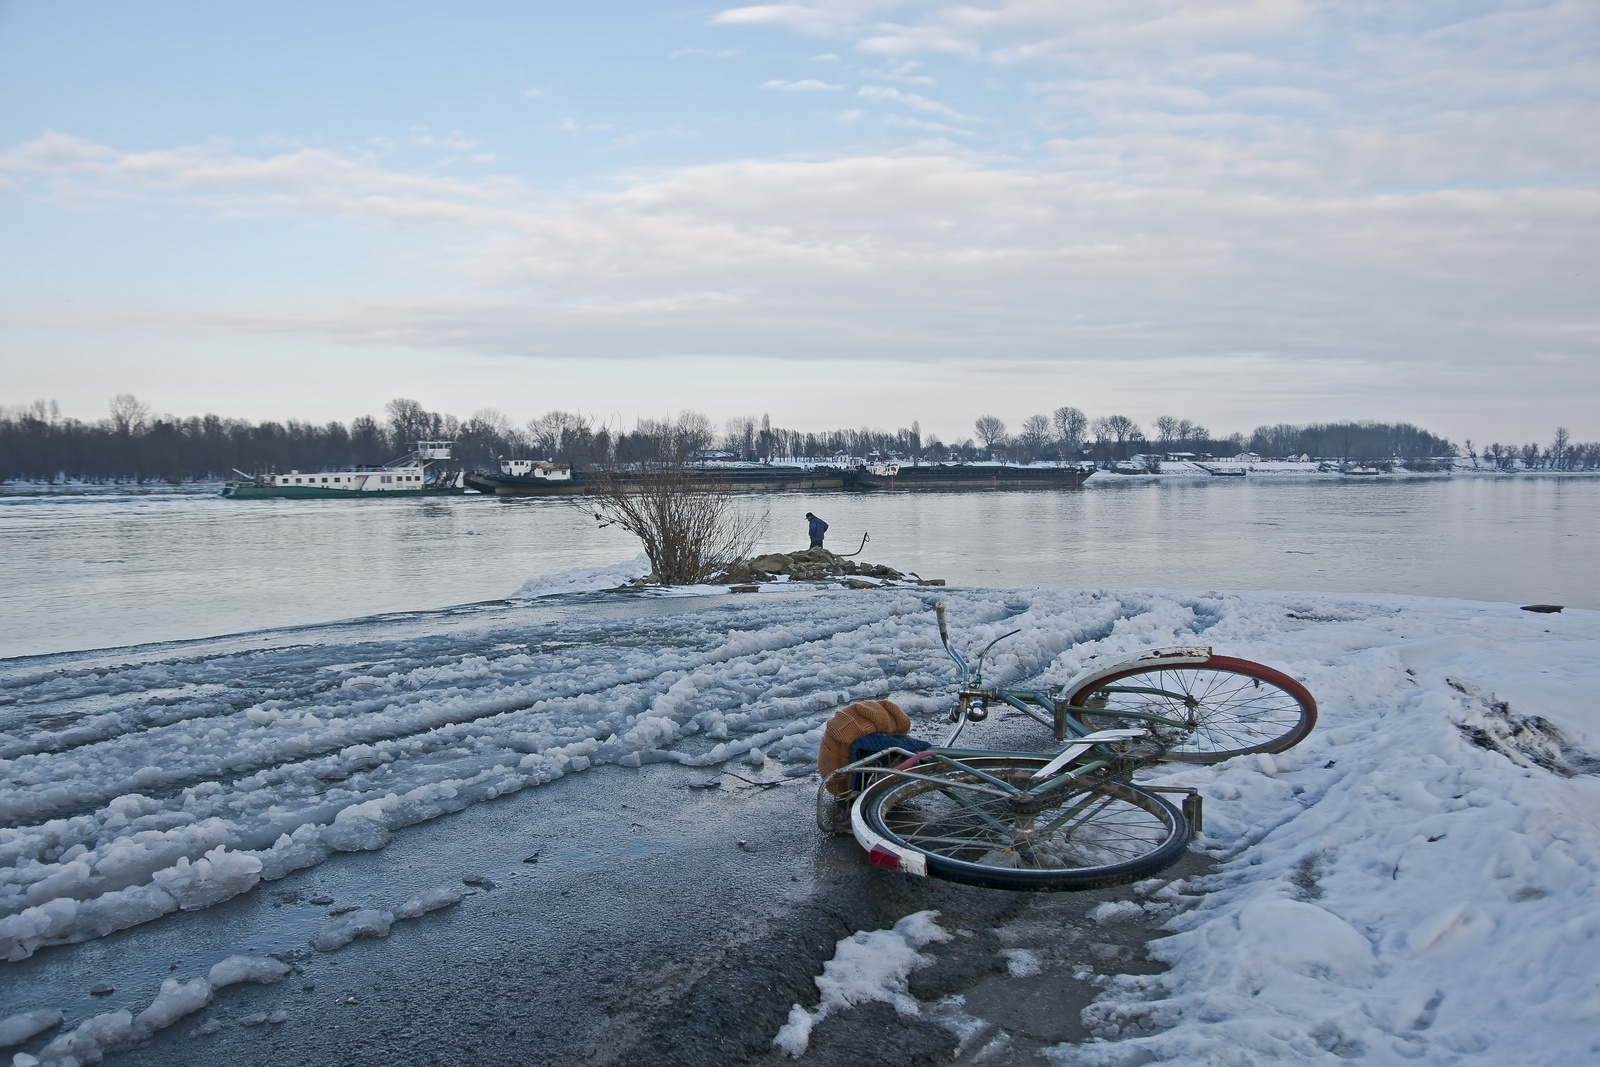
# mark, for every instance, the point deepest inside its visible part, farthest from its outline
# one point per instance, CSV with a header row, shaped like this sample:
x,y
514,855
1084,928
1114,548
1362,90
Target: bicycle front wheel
x,y
1202,712
1086,834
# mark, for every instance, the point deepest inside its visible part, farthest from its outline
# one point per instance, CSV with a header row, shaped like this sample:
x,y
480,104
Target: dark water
x,y
82,570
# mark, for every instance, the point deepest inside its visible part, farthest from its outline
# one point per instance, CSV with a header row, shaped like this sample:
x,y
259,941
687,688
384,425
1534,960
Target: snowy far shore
x,y
1272,469
1415,880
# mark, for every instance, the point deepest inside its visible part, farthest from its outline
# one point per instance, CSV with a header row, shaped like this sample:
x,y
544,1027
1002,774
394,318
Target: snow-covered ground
x,y
1415,880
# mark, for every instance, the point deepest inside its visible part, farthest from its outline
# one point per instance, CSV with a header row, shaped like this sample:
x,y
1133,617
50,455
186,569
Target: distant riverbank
x,y
1195,470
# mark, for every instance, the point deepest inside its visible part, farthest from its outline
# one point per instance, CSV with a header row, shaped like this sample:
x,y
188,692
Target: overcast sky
x,y
843,212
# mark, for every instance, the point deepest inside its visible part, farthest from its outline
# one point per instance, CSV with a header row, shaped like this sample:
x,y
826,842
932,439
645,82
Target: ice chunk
x,y
368,922
866,966
217,876
262,970
291,852
25,931
175,1000
1115,911
1021,962
92,1039
111,912
361,827
429,900
15,1029
584,579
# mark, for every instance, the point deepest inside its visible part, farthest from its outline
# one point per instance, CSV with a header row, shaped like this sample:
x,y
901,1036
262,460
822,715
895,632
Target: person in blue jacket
x,y
818,528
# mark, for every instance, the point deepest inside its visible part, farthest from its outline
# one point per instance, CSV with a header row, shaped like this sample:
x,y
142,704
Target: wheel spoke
x,y
1232,707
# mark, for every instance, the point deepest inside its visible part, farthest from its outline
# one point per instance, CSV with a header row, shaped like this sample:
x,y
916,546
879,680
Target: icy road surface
x,y
1417,879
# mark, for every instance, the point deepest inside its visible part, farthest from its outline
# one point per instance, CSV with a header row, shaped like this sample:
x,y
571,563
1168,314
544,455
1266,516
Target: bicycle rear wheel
x,y
1228,707
1088,834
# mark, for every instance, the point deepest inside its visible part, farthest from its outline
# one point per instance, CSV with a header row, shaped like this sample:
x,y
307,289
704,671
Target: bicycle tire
x,y
1238,706
1123,833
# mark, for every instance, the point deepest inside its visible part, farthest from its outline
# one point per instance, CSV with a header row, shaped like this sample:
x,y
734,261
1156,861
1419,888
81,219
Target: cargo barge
x,y
969,476
528,478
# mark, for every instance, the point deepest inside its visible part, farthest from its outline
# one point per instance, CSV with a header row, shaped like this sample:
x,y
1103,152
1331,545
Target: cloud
x,y
455,141
887,94
901,72
805,85
821,19
533,92
915,258
924,125
1018,30
314,179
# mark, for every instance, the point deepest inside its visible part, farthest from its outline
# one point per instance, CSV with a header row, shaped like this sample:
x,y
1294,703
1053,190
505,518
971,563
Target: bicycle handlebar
x,y
944,636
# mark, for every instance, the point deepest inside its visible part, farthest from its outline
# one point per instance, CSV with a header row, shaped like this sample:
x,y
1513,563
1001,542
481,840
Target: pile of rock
x,y
815,565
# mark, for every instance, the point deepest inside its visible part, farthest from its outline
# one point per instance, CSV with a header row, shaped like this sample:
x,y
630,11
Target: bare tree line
x,y
1352,442
1561,454
132,444
1068,435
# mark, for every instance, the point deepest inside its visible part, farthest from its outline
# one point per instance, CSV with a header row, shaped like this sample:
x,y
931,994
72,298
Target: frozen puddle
x,y
1408,882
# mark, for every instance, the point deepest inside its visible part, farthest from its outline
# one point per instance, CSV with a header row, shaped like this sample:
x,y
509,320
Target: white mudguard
x,y
1155,657
883,853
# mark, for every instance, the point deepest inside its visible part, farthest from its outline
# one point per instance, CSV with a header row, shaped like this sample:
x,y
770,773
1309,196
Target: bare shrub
x,y
691,526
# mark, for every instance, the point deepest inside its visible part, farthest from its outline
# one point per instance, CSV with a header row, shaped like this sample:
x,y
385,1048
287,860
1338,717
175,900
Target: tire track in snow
x,y
733,675
54,787
178,811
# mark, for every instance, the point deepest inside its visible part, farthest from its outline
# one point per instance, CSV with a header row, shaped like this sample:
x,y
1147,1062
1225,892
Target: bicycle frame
x,y
1062,772
1065,719
885,763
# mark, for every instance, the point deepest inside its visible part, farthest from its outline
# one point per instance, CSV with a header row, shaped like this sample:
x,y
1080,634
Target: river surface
x,y
97,569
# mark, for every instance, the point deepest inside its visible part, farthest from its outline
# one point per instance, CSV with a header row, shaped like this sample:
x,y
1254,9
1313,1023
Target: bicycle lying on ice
x,y
1074,819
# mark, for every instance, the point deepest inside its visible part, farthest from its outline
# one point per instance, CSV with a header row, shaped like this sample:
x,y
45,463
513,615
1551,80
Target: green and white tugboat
x,y
414,474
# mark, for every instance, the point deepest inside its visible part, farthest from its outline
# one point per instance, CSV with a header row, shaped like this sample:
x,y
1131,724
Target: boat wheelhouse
x,y
538,469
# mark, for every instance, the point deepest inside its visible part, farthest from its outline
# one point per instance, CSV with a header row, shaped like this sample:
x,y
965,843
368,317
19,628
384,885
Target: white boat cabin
x,y
536,468
355,481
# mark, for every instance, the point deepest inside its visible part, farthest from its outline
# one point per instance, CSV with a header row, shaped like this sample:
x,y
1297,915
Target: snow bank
x,y
1416,881
1443,814
584,579
868,965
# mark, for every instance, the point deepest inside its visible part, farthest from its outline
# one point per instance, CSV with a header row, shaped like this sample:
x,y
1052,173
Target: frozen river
x,y
104,569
